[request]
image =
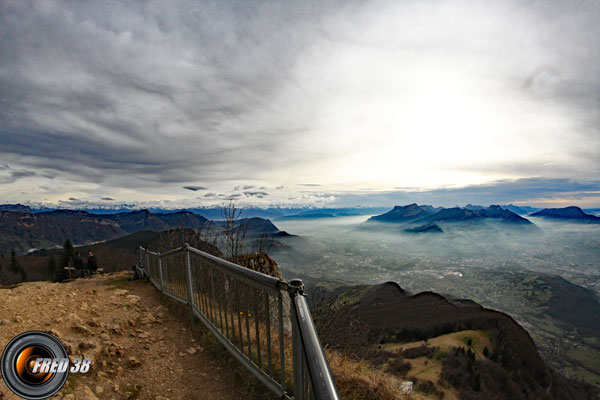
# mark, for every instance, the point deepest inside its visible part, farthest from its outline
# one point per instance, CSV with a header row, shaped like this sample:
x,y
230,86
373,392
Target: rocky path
x,y
138,349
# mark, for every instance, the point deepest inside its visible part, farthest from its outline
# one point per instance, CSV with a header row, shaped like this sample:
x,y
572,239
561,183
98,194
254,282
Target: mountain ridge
x,y
389,316
25,231
571,213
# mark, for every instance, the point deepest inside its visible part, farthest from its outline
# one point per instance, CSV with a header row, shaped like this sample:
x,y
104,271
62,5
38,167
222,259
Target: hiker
x,y
78,264
92,265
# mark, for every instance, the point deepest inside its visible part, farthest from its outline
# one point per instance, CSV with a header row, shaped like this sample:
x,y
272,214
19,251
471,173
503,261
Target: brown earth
x,y
139,349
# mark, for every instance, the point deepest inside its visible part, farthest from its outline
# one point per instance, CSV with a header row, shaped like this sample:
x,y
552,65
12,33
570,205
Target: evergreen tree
x,y
15,267
66,260
52,267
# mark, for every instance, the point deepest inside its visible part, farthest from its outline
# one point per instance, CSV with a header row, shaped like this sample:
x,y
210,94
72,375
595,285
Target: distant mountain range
x,y
406,213
572,214
430,217
321,213
25,230
216,212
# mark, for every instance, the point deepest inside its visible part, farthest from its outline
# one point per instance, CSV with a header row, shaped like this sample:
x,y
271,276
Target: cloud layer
x,y
157,101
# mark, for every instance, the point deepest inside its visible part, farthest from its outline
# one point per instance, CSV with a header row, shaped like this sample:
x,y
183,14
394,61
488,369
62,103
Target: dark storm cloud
x,y
195,188
14,176
130,93
259,194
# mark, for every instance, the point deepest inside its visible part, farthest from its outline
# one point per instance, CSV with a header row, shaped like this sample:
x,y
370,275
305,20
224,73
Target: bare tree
x,y
234,230
264,244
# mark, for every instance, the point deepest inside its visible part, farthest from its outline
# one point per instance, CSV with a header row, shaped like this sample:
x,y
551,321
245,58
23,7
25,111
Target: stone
x,y
191,350
134,362
81,329
406,388
101,375
87,344
114,350
93,323
133,299
84,392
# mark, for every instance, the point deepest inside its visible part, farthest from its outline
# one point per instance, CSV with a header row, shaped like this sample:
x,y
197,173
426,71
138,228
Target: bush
x,y
399,367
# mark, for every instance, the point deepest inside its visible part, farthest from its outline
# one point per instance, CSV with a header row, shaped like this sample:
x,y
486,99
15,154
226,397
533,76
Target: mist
x,y
351,250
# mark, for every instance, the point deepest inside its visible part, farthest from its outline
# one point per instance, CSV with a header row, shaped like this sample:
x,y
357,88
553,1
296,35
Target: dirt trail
x,y
138,349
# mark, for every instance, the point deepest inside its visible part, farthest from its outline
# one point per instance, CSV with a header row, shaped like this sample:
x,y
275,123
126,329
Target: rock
x,y
147,319
87,344
54,332
75,318
84,392
114,350
114,328
81,329
406,388
191,350
93,323
117,387
132,298
134,362
18,318
101,376
161,398
121,292
99,389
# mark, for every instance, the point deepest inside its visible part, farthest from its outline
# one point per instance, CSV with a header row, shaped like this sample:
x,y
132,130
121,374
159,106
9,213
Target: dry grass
x,y
479,341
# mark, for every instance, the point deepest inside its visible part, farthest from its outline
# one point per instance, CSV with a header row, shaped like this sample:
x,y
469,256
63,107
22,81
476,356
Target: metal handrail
x,y
229,299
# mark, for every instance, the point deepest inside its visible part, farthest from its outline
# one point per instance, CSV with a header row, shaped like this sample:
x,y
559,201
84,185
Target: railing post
x,y
188,273
296,288
160,273
147,262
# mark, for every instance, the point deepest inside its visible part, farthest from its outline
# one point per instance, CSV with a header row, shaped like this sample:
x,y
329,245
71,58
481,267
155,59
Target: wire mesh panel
x,y
153,271
252,315
246,313
174,275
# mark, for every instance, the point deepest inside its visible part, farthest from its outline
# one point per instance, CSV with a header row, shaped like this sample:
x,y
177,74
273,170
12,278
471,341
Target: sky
x,y
317,103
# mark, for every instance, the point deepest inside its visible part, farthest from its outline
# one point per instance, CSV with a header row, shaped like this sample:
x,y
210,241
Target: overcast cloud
x,y
153,102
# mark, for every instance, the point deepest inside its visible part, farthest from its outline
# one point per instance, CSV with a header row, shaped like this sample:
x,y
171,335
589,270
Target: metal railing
x,y
259,319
